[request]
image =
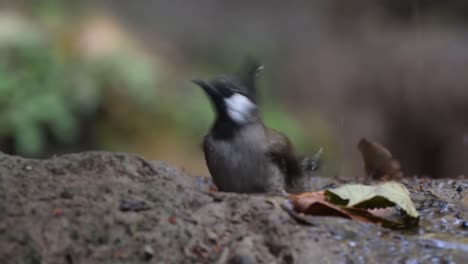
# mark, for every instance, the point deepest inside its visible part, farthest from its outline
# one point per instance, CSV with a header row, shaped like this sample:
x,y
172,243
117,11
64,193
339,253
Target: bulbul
x,y
242,154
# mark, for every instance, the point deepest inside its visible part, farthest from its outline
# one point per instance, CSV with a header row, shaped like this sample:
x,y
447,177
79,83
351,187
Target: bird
x,y
242,154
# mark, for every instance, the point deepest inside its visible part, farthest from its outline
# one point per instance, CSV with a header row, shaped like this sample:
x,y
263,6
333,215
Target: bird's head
x,y
234,97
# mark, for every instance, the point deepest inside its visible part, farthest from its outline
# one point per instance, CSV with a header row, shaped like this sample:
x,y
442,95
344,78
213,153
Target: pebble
x,y
148,252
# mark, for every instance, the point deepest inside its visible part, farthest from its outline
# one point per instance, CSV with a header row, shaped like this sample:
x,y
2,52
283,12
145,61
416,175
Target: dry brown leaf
x,y
378,161
316,204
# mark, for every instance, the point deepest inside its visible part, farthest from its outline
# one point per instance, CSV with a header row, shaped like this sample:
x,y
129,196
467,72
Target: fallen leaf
x,y
369,197
380,204
386,217
379,162
314,203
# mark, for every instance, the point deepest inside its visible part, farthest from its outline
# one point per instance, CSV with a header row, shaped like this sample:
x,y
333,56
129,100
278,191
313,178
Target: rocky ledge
x,y
99,207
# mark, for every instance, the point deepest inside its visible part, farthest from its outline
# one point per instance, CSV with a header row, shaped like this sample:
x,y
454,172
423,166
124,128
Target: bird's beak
x,y
206,87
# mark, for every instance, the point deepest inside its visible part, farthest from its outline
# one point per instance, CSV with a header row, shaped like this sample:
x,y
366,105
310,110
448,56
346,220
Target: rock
x,y
117,207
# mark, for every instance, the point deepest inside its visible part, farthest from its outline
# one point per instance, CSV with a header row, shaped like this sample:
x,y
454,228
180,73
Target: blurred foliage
x,y
32,94
47,85
59,69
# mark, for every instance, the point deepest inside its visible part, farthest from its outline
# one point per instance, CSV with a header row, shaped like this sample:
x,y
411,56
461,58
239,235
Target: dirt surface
x,y
99,207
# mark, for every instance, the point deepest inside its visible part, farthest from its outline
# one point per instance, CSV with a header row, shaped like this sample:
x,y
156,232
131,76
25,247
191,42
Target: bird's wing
x,y
282,153
207,148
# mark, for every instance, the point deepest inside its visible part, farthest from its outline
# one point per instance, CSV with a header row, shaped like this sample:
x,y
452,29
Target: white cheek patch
x,y
240,108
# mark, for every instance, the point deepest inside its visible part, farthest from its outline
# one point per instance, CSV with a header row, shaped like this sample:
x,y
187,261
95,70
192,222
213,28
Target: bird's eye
x,y
226,92
236,91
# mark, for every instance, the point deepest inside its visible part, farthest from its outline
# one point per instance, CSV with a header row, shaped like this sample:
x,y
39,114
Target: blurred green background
x,y
115,75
